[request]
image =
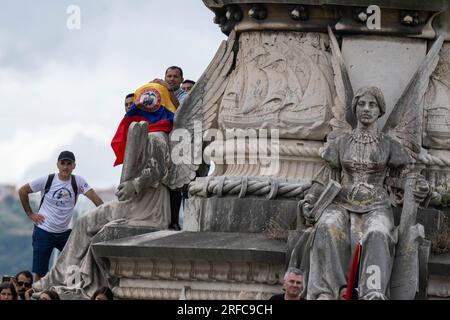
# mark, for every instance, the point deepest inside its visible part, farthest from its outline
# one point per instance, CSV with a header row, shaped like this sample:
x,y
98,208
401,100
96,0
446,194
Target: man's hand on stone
x,y
125,191
37,218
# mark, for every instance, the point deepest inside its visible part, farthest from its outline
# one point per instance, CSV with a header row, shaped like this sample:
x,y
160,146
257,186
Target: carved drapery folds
x,y
437,104
282,80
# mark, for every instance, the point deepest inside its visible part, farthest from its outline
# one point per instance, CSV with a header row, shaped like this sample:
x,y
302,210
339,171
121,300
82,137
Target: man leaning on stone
x,y
172,81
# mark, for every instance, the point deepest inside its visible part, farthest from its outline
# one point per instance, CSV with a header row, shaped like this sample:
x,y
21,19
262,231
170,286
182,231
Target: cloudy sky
x,y
63,88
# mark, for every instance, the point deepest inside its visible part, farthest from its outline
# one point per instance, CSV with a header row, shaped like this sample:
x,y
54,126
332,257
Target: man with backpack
x,y
59,195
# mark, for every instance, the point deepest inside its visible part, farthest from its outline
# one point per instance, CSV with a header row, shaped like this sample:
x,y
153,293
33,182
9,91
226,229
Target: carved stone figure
x,y
366,163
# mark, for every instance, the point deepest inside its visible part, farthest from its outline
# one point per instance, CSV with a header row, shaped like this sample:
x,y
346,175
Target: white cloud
x,y
26,148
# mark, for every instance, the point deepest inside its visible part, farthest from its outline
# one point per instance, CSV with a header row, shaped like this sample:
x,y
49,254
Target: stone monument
x,y
268,109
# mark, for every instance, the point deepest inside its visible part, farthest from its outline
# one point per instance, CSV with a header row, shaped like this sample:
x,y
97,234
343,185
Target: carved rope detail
x,y
254,149
165,269
241,187
431,160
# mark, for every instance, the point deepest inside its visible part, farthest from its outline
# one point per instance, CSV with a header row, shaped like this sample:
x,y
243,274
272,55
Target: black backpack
x,y
48,184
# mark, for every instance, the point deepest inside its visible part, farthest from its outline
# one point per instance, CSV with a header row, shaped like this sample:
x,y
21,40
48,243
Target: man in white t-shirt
x,y
59,193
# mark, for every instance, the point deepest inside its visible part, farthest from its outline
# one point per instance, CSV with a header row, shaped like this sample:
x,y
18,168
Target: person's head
x,y
187,85
66,164
174,77
7,291
129,101
24,280
103,293
293,284
368,105
49,295
342,292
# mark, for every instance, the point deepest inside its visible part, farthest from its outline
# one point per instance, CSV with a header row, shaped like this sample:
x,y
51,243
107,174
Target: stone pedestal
x,y
191,265
232,214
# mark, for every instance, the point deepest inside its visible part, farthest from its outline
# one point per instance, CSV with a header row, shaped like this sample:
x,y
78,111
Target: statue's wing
x,y
343,117
199,111
404,123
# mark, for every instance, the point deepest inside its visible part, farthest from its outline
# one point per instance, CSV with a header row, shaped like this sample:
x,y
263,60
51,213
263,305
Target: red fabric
x,y
353,277
119,140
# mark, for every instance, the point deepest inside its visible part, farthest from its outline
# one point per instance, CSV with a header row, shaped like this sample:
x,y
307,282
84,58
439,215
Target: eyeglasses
x,y
21,283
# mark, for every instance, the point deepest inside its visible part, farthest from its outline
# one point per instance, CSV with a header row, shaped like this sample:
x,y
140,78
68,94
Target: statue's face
x,y
367,110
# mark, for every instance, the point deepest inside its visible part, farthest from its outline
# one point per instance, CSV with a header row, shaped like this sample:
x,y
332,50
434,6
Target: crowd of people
x,y
19,287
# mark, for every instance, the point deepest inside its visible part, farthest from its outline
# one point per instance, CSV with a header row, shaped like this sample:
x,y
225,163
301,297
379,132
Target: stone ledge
x,y
439,265
209,246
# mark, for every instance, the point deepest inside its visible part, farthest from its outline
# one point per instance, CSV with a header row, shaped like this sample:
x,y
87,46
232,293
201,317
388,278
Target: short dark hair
x,y
52,294
105,291
175,68
130,95
26,273
11,287
189,81
344,286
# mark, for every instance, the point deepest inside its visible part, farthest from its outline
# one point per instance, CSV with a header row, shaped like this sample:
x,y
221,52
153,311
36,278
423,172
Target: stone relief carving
x,y
282,80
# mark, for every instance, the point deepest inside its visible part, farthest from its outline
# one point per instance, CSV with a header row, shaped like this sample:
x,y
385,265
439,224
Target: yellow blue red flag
x,y
152,103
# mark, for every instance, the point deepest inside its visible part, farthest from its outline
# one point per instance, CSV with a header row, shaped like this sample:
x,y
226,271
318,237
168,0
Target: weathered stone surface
x,y
429,218
439,286
209,246
439,265
436,133
282,81
189,265
232,214
112,232
385,62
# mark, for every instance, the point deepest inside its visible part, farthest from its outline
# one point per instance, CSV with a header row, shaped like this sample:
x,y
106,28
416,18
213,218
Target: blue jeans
x,y
43,244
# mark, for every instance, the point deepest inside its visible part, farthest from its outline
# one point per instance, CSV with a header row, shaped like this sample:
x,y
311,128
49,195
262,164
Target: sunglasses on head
x,y
21,283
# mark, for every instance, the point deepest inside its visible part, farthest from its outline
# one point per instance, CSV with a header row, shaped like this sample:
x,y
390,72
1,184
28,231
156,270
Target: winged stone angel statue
x,y
366,163
148,171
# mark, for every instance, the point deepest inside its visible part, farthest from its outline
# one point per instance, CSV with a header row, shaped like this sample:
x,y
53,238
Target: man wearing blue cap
x,y
59,195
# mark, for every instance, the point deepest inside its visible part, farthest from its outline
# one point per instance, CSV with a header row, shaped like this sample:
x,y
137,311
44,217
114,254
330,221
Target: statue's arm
x,y
401,164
